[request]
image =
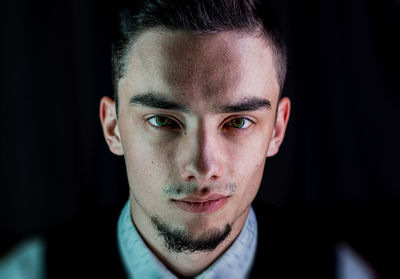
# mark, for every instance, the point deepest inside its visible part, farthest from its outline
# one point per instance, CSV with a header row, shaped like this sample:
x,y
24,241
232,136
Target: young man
x,y
197,111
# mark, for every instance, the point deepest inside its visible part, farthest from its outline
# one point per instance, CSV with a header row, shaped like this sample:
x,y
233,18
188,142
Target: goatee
x,y
180,241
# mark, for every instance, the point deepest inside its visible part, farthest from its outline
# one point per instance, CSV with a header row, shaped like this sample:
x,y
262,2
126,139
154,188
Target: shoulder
x,y
290,245
86,247
24,260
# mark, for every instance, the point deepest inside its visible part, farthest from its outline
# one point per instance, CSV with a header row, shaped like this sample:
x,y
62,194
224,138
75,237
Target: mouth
x,y
206,205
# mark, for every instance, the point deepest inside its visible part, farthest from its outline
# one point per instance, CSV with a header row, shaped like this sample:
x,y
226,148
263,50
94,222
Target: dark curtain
x,y
339,163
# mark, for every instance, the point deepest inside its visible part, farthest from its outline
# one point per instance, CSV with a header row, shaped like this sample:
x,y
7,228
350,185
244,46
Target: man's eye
x,y
239,123
162,121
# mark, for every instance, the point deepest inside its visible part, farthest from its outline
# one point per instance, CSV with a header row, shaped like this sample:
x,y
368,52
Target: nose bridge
x,y
205,149
203,163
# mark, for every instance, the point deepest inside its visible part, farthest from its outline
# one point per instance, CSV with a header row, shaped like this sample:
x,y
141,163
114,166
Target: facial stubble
x,y
178,240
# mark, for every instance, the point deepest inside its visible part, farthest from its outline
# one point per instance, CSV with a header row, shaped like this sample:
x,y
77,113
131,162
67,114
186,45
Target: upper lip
x,y
211,197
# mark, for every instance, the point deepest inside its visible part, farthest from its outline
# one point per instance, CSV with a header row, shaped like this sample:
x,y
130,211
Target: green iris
x,y
238,122
162,121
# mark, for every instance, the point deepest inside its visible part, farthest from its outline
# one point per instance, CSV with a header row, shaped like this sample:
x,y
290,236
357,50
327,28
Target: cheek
x,y
251,176
150,167
145,163
249,157
248,168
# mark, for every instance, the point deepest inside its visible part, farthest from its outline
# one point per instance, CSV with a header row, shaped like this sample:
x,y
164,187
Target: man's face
x,y
196,123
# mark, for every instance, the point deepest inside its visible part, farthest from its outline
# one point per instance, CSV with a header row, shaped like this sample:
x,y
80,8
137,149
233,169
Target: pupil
x,y
162,121
238,122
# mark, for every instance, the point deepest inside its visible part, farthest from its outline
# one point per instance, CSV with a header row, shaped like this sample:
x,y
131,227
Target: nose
x,y
202,162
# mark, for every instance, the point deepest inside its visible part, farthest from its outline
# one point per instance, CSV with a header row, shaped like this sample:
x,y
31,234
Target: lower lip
x,y
201,207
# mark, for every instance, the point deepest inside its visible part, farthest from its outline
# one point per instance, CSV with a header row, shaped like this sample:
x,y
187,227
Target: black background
x,y
339,163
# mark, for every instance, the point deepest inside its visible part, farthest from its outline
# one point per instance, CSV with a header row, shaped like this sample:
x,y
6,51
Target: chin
x,y
190,239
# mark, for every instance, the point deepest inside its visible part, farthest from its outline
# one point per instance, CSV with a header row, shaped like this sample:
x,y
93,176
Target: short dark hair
x,y
197,16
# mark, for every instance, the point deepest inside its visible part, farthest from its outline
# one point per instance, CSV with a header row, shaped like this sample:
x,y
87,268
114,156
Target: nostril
x,y
204,191
189,178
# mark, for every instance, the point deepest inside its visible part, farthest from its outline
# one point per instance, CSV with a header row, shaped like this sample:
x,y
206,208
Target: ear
x,y
109,121
278,133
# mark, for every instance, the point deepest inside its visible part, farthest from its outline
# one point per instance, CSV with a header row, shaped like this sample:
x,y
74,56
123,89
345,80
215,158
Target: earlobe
x,y
109,122
278,133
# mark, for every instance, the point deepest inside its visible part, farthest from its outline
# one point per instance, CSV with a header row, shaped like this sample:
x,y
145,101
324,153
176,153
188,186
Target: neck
x,y
183,264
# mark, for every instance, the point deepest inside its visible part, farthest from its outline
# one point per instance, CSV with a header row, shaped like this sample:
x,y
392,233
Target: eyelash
x,y
176,124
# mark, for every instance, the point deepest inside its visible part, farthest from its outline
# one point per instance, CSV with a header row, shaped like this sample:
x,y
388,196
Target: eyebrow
x,y
247,104
155,100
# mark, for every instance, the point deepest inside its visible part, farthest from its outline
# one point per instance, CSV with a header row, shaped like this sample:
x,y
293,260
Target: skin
x,y
201,152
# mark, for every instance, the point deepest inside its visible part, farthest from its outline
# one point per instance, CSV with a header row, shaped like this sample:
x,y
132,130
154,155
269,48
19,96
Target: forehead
x,y
200,69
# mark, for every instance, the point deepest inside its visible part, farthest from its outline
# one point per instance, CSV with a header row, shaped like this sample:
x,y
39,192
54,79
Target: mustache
x,y
187,189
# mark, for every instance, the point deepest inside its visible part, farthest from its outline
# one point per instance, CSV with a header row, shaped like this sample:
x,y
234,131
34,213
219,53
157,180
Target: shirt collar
x,y
140,262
